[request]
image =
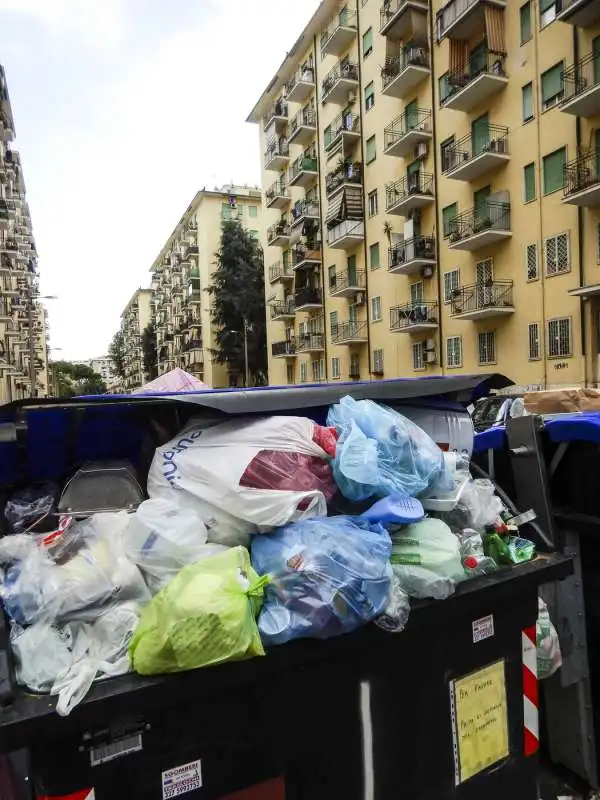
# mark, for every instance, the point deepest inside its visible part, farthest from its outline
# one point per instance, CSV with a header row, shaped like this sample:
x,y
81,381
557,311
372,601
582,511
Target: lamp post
x,y
247,329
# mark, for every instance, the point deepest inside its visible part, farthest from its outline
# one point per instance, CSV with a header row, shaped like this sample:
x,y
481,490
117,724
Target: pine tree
x,y
116,353
238,291
149,351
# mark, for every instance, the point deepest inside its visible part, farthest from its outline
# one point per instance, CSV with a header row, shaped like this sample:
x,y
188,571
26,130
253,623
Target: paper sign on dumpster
x,y
479,720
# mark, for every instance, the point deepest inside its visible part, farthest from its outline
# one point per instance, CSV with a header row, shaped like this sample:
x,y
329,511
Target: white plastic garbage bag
x,y
549,656
163,537
223,464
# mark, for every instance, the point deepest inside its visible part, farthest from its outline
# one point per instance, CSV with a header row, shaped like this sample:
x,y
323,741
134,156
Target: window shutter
x,y
529,181
525,13
552,83
533,333
554,164
531,262
367,42
448,214
527,100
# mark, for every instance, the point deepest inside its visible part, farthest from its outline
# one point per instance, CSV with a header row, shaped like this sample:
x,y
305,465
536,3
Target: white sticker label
x,y
181,780
483,628
121,747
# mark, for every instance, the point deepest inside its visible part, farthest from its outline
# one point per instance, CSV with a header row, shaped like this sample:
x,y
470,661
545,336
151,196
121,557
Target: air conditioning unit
x,y
421,150
430,357
427,272
360,298
430,345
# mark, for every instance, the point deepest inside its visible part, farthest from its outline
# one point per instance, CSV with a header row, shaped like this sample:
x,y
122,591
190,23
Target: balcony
x,y
471,158
403,73
480,227
579,12
310,343
482,300
277,195
346,234
412,256
285,349
280,272
397,17
464,19
338,37
344,129
307,299
347,283
414,317
283,311
340,82
304,256
304,211
304,171
303,127
412,191
403,136
582,181
350,332
192,344
300,85
278,155
581,87
278,235
277,115
348,173
475,82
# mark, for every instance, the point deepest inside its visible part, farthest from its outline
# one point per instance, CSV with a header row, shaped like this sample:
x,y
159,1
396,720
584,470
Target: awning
x,y
586,291
333,212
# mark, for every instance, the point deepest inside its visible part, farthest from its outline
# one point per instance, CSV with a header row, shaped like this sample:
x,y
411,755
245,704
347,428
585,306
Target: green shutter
x,y
367,42
552,84
444,87
553,167
477,58
596,54
480,134
369,95
411,115
525,22
371,150
226,211
527,99
351,265
448,214
253,211
546,4
480,199
529,182
374,255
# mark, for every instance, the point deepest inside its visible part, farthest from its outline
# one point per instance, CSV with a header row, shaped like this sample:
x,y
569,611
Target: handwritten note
x,y
480,720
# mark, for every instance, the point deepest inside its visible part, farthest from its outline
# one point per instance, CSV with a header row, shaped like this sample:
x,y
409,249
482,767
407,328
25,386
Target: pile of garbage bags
x,y
239,548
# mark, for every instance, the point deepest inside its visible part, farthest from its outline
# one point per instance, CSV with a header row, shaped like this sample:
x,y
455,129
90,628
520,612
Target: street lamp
x,y
247,328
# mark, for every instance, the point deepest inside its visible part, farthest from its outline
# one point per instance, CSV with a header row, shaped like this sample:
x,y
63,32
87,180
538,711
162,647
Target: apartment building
x,y
136,317
431,177
23,323
181,274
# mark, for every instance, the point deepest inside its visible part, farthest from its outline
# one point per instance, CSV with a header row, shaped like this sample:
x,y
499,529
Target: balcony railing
x,y
277,149
309,254
347,71
279,110
344,123
345,233
300,84
420,248
303,164
280,271
457,80
192,344
285,348
310,342
493,216
306,118
347,281
285,309
345,20
579,12
352,330
279,229
581,87
276,190
415,119
452,12
412,55
391,13
582,173
414,315
493,140
308,297
480,297
347,173
418,183
305,210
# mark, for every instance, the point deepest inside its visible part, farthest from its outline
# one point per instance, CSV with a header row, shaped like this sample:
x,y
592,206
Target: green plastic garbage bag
x,y
205,615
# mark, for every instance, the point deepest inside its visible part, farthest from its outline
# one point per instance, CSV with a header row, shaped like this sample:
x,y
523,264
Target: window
x,y
226,211
529,183
253,234
527,102
448,215
559,338
374,256
335,367
531,262
354,366
486,347
444,86
548,9
253,212
553,170
371,150
556,252
303,372
533,337
332,277
318,370
598,243
376,309
525,12
448,154
451,283
289,373
367,42
416,293
378,362
333,322
369,96
418,355
454,351
373,203
552,86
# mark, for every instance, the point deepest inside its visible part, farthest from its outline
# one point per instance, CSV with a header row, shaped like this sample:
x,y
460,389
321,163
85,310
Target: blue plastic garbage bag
x,y
329,576
380,451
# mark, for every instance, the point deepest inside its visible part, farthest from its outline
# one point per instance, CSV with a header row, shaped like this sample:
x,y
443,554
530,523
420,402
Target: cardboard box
x,y
562,401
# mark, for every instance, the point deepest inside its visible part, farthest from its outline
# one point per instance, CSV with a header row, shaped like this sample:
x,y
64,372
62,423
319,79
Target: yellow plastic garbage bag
x,y
205,615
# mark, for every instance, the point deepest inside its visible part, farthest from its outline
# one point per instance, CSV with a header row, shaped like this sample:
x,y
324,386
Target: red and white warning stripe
x,y
530,692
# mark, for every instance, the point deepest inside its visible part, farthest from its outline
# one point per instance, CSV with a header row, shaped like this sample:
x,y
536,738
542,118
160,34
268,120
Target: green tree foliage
x,y
238,291
116,353
149,352
72,380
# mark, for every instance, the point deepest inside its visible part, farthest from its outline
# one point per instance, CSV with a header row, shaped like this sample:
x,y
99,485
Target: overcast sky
x,y
123,110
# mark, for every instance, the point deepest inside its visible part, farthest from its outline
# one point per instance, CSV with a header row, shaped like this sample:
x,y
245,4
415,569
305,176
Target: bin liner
x,y
29,506
380,451
329,576
266,472
205,615
549,657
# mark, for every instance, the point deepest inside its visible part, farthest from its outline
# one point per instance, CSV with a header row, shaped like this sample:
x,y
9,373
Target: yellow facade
x,y
182,273
135,318
456,198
